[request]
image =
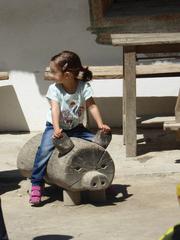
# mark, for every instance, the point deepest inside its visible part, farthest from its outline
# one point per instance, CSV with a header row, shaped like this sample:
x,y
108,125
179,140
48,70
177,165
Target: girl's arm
x,y
55,119
94,110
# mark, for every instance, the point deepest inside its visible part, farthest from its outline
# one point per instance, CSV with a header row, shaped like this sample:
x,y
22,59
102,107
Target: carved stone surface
x,y
63,144
103,139
87,166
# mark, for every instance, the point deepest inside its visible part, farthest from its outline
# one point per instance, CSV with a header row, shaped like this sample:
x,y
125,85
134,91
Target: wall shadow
x,y
11,113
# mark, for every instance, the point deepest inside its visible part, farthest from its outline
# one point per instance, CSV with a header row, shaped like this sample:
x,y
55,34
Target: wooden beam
x,y
158,48
144,38
172,125
157,69
116,72
129,96
100,72
4,75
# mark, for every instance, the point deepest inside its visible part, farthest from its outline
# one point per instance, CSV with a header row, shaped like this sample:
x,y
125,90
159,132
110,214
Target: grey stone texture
x,y
87,166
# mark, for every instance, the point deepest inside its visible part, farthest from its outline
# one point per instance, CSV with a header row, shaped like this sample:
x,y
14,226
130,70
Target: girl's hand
x,y
57,133
105,128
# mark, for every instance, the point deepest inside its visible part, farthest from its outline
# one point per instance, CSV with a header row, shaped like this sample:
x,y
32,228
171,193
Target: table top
x,y
133,39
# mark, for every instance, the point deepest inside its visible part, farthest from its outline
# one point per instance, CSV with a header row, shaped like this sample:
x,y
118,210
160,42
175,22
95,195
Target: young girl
x,y
68,97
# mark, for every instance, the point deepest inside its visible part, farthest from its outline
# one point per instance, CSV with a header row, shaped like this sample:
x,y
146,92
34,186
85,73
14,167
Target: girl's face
x,y
56,74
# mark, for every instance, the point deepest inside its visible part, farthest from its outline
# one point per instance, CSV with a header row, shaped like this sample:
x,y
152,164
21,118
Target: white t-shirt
x,y
72,106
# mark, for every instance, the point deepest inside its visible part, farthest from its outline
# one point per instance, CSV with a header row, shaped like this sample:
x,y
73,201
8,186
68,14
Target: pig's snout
x,y
94,180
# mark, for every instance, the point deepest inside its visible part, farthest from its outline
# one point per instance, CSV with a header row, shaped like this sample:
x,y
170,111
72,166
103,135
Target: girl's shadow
x,y
115,193
118,192
53,237
52,193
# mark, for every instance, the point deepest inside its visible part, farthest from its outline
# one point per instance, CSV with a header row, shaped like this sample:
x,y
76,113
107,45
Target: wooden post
x,y
123,106
129,102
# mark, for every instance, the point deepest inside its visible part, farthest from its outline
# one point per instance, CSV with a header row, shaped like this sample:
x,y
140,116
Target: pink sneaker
x,y
35,195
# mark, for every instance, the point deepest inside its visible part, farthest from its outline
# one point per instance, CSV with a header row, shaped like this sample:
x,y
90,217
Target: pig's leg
x,y
97,196
71,198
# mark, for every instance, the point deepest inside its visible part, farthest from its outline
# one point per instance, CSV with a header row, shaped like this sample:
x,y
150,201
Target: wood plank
x,y
116,72
144,8
4,75
157,68
158,48
156,120
144,38
129,59
100,72
172,125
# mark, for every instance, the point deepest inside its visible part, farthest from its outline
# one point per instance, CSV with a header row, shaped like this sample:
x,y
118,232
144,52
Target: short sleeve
x,y
87,91
52,93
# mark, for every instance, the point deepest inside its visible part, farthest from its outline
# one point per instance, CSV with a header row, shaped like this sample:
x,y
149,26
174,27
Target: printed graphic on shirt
x,y
67,117
73,110
80,111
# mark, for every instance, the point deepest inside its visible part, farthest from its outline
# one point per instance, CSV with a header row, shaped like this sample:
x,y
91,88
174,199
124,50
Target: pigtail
x,y
84,75
70,61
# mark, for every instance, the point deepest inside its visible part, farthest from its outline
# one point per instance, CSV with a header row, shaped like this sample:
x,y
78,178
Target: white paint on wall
x,y
30,100
145,87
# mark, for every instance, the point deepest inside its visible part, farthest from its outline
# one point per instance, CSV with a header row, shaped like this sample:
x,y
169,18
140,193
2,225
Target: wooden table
x,y
133,44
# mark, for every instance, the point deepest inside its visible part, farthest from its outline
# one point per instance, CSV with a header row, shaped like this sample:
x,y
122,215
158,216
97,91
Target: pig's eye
x,y
78,168
103,166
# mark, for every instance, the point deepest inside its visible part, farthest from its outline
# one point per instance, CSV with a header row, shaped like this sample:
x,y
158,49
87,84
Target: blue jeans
x,y
46,148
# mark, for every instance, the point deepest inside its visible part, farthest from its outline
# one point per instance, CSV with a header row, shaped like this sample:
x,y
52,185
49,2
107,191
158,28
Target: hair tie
x,y
65,66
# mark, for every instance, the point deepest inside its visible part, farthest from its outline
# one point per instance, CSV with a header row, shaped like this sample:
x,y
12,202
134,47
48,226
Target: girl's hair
x,y
70,61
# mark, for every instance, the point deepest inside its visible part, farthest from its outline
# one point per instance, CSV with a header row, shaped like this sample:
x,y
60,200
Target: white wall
x,y
31,33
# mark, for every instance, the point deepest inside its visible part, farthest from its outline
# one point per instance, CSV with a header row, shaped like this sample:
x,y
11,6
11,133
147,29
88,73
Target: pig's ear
x,y
102,139
63,144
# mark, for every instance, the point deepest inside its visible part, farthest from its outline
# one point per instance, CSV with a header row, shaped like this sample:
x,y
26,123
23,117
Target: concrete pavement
x,y
144,207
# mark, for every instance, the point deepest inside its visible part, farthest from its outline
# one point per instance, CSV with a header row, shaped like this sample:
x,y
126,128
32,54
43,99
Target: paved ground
x,y
144,207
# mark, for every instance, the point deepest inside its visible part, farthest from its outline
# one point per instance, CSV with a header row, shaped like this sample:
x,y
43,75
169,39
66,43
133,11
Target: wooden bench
x,y
142,71
4,75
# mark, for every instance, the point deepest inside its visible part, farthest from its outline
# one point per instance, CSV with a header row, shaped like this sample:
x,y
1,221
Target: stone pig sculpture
x,y
87,166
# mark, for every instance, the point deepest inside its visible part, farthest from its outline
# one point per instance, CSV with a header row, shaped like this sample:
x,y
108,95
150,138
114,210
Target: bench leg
x,y
178,136
124,113
71,198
